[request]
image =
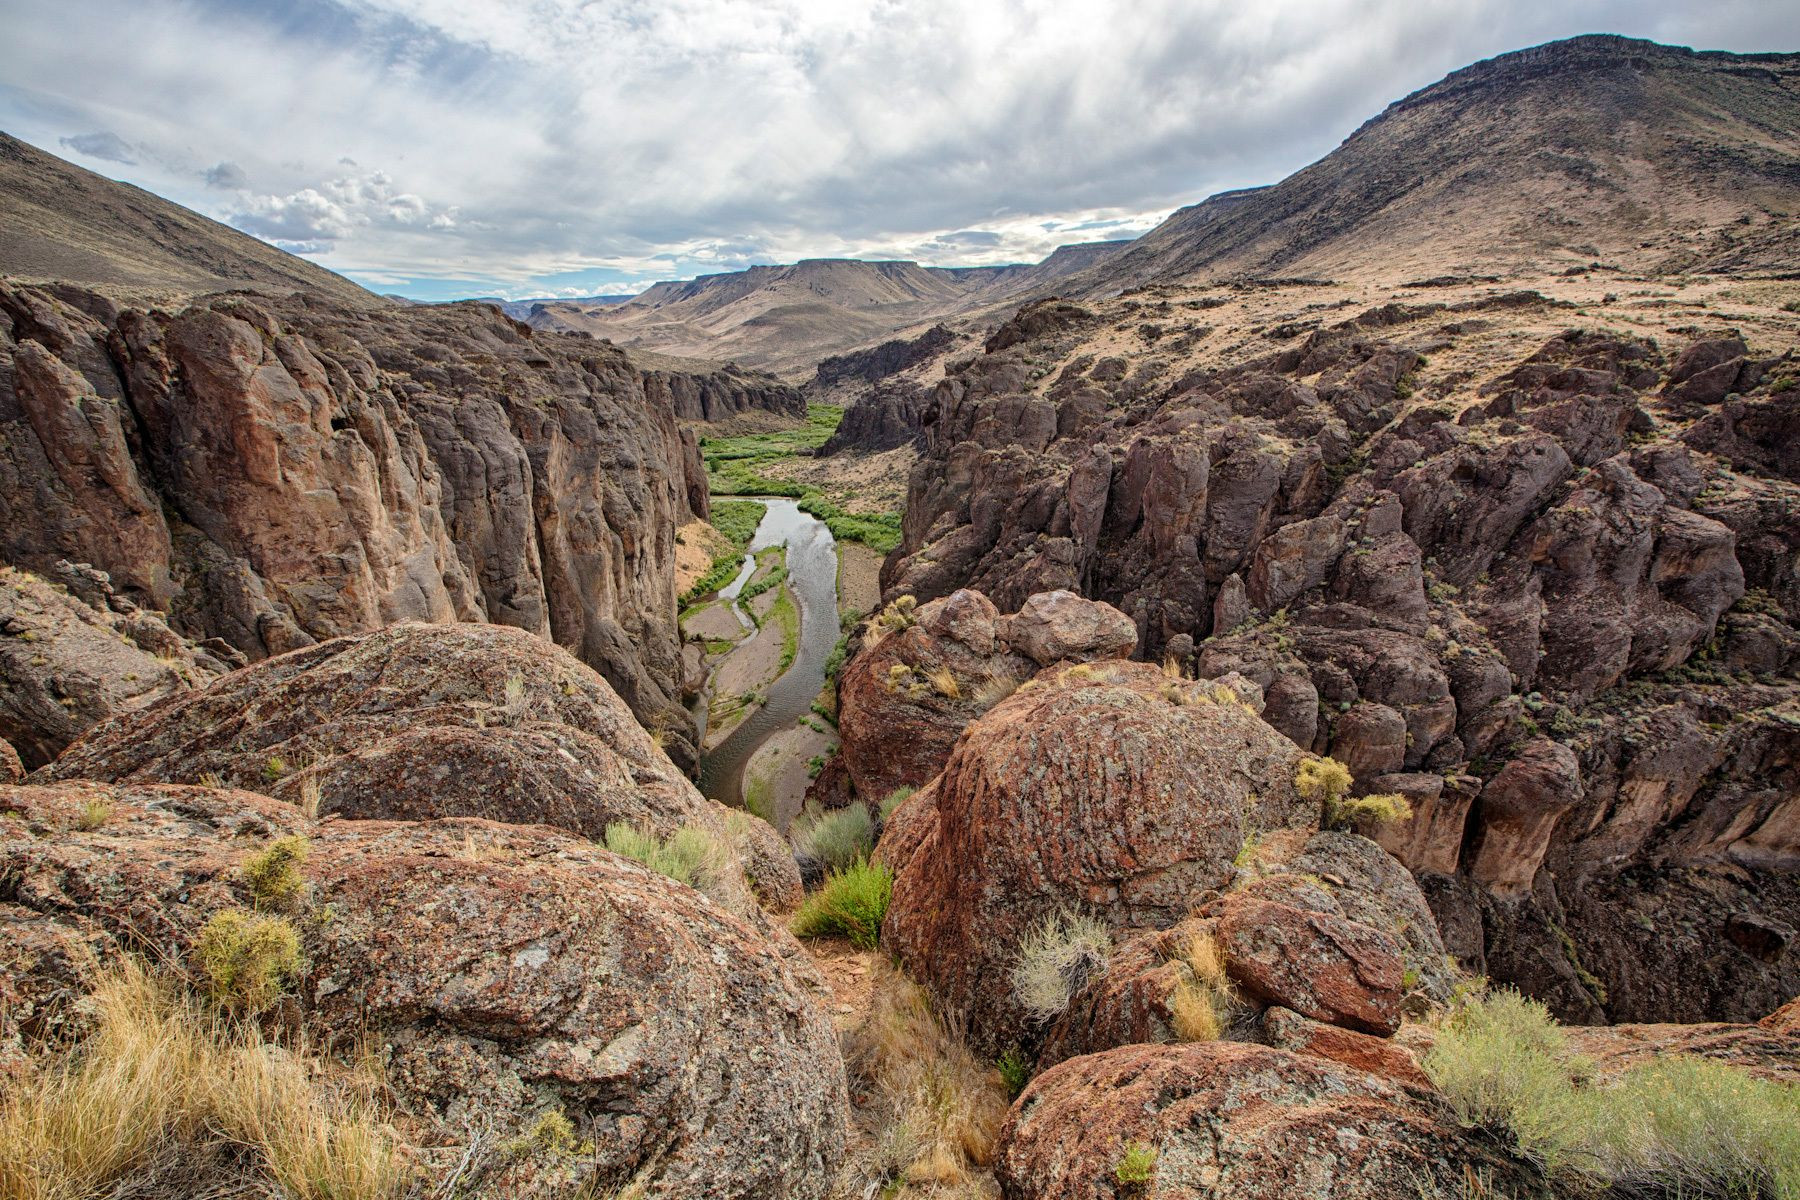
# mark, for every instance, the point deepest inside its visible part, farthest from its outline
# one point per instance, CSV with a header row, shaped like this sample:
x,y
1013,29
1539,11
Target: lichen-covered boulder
x,y
1232,1121
503,970
418,721
1107,788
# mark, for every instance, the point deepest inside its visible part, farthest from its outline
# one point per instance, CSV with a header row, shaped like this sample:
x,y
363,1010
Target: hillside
x,y
60,223
1655,157
785,319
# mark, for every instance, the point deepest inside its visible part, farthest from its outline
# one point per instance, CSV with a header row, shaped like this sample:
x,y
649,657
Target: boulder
x,y
1106,788
1321,966
1520,807
1768,1052
1053,627
502,970
421,721
1785,1019
73,653
1286,1029
11,769
1231,1121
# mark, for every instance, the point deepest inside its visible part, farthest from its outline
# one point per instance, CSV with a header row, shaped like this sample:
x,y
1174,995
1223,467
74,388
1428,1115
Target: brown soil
x,y
696,545
859,577
860,483
779,767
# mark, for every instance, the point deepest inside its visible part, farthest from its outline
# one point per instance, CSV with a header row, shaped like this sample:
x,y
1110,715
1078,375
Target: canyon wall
x,y
274,472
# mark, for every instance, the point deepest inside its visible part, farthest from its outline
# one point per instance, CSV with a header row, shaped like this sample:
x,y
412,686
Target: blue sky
x,y
447,148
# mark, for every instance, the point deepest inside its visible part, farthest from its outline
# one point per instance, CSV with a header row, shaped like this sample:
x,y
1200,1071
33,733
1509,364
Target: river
x,y
812,563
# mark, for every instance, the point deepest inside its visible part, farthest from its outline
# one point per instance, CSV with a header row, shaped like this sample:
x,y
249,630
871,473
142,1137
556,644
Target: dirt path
x,y
859,579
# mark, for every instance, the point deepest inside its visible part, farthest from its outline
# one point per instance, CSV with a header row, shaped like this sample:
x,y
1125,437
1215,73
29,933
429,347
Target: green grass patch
x,y
690,855
878,531
787,614
851,904
738,519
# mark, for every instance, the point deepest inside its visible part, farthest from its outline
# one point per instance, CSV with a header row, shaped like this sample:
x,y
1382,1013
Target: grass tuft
x,y
1055,959
1202,1001
895,799
851,903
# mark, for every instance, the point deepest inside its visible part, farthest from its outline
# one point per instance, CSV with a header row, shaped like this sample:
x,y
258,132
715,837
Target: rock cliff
x,y
1532,572
275,472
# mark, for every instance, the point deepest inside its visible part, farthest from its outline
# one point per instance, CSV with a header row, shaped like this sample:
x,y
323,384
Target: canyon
x,y
1125,726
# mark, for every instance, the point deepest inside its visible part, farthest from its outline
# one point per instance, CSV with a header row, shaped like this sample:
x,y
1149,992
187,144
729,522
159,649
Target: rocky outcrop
x,y
276,472
1235,1122
702,395
1550,601
502,970
884,418
73,653
418,722
1109,789
878,362
899,713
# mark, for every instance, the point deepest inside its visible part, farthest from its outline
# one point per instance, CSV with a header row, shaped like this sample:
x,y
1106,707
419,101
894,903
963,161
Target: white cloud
x,y
508,144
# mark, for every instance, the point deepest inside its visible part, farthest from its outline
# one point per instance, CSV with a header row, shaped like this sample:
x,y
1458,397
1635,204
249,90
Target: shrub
x,y
1136,1165
851,903
1322,780
1695,1127
1055,959
1383,809
738,519
248,960
1676,1127
160,1081
836,838
901,614
690,855
273,875
1015,1072
895,799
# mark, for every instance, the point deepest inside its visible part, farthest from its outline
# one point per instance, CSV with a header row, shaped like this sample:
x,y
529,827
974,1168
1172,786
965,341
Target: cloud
x,y
227,176
318,217
109,146
505,146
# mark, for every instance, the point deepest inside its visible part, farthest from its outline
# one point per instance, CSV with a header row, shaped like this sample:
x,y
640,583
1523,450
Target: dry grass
x,y
166,1089
1202,1001
995,688
938,1108
943,681
94,814
273,873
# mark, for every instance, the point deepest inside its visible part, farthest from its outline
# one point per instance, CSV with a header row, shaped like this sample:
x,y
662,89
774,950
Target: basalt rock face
x,y
1551,601
879,362
501,969
73,653
275,472
418,722
885,417
721,393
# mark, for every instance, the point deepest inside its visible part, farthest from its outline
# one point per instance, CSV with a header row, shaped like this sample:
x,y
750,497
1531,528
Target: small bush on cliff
x,y
163,1092
1055,959
837,838
852,904
273,873
248,960
690,855
1324,782
1136,1165
993,689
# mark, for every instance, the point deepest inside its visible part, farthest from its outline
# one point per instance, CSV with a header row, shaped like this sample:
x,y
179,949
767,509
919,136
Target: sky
x,y
449,148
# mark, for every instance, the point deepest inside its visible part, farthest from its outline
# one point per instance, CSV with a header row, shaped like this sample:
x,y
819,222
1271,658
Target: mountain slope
x,y
787,318
61,223
1654,157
